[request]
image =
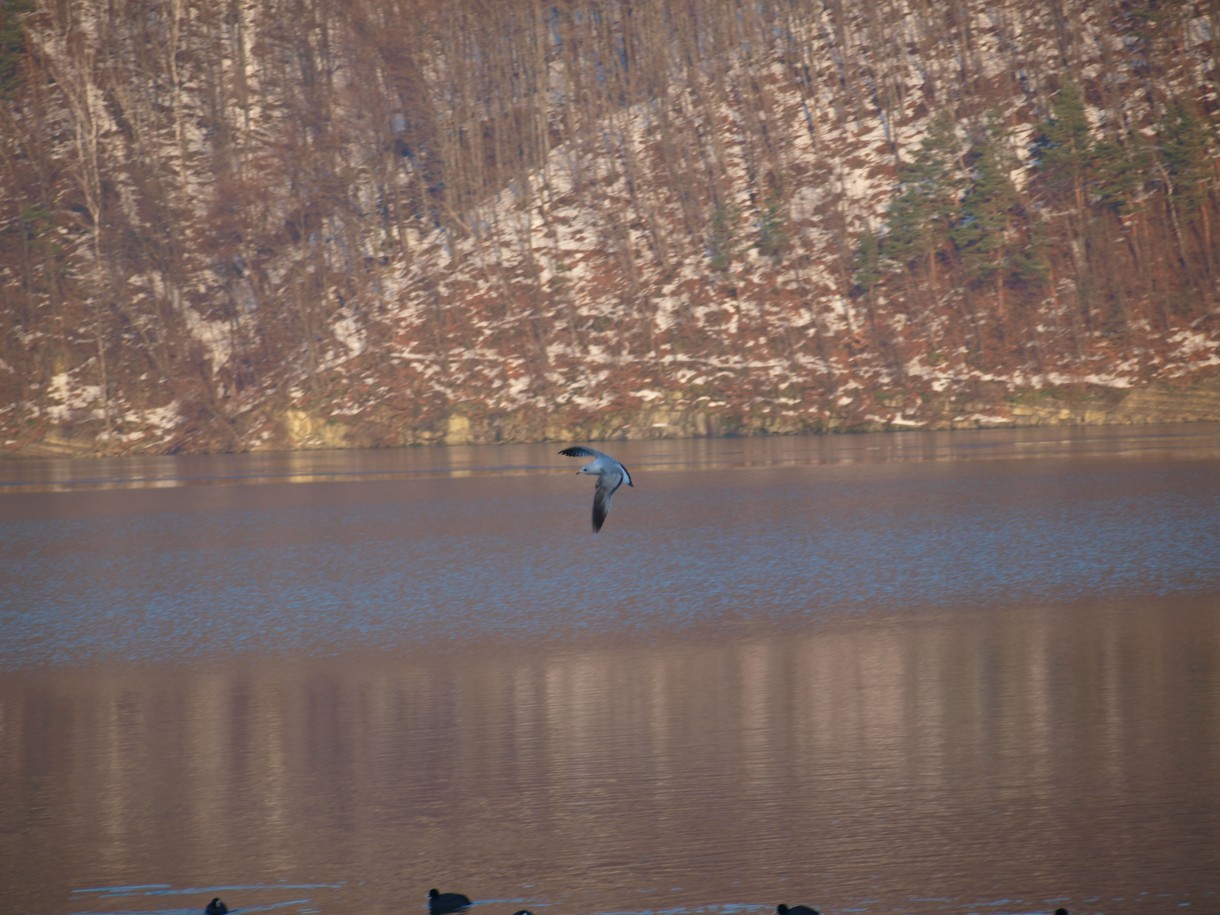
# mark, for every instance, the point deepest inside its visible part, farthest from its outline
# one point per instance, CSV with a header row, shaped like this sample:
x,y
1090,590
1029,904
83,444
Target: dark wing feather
x,y
601,507
602,494
580,451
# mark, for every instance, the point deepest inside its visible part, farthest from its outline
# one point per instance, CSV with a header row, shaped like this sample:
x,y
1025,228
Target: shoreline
x,y
1081,404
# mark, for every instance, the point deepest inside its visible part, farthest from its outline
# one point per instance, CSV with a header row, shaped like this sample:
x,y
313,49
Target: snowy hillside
x,y
311,223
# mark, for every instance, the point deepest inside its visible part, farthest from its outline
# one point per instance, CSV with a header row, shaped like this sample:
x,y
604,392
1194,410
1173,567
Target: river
x,y
974,671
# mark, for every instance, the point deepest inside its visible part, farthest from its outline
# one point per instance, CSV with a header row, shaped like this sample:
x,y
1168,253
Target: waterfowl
x,y
610,476
442,903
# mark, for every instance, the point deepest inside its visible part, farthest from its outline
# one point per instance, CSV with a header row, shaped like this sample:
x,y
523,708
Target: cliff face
x,y
316,223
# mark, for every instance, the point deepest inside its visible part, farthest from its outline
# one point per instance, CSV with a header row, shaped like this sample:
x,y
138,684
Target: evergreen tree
x,y
1186,167
921,217
1183,143
12,42
1118,172
867,271
1064,144
772,234
982,232
722,241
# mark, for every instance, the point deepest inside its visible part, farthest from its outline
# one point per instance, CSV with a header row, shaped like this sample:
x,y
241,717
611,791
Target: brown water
x,y
969,672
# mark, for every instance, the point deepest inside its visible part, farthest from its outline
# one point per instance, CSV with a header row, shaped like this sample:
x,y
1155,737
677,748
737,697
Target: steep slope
x,y
313,223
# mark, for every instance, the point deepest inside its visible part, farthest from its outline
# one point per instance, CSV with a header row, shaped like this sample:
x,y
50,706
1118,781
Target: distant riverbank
x,y
982,405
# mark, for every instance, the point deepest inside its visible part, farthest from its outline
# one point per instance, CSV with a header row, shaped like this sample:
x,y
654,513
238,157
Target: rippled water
x,y
967,672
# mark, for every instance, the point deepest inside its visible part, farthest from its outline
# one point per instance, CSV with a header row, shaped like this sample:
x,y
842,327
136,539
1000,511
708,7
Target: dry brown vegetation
x,y
595,218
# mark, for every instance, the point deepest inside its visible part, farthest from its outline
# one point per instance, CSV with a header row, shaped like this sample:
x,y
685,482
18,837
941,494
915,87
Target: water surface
x,y
960,672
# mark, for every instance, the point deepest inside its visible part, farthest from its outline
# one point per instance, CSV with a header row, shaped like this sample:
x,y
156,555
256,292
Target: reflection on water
x,y
927,683
1197,442
878,765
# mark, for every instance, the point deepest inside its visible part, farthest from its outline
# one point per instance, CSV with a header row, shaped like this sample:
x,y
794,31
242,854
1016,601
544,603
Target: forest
x,y
239,224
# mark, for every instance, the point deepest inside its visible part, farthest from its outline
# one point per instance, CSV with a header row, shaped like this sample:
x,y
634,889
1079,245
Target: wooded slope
x,y
237,224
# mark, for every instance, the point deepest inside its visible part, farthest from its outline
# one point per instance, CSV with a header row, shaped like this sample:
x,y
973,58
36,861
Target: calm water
x,y
942,673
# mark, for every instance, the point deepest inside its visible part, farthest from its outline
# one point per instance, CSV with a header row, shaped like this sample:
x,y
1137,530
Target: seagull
x,y
442,903
610,476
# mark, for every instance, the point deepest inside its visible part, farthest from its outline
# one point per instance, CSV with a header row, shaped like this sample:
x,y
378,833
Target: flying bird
x,y
442,903
610,476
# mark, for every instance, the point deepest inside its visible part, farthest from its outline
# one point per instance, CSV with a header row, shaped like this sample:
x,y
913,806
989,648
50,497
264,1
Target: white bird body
x,y
610,476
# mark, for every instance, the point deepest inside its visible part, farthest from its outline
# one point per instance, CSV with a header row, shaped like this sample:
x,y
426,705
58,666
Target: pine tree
x,y
722,241
1183,137
867,271
1065,144
921,217
12,42
985,211
1117,174
772,233
982,232
1185,166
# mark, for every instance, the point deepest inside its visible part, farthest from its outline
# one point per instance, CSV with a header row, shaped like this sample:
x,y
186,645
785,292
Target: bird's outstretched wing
x,y
581,451
603,492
